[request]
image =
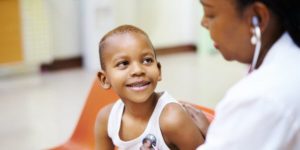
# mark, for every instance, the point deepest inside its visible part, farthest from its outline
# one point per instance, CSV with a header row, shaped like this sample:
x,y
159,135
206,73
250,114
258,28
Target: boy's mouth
x,y
139,85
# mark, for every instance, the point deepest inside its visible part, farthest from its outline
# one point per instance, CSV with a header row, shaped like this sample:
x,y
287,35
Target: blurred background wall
x,y
37,35
169,23
55,29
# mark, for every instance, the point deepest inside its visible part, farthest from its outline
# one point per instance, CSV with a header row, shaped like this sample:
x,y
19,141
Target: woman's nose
x,y
204,22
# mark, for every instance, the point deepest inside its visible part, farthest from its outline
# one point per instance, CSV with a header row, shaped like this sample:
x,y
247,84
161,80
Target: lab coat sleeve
x,y
251,125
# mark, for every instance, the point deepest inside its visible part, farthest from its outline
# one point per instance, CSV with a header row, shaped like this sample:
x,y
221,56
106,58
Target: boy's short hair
x,y
119,30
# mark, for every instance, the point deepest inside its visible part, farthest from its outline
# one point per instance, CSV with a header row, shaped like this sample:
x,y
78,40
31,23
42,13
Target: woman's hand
x,y
198,117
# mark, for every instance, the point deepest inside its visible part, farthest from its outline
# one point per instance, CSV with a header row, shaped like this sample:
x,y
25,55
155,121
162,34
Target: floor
x,y
40,110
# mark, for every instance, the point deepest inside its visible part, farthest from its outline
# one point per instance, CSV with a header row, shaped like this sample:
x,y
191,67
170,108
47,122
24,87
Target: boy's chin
x,y
140,98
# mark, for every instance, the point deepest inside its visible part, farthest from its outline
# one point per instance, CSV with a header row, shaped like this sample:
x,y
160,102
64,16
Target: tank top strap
x,y
165,99
114,120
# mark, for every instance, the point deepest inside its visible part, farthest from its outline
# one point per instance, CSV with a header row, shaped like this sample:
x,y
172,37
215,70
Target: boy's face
x,y
131,68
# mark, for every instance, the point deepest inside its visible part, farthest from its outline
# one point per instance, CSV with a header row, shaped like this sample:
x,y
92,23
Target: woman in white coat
x,y
262,111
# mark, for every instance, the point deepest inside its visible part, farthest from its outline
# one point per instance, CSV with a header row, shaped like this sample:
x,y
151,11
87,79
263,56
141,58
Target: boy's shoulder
x,y
178,128
172,117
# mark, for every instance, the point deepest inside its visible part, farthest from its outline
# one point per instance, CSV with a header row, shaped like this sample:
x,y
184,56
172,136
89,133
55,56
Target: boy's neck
x,y
142,111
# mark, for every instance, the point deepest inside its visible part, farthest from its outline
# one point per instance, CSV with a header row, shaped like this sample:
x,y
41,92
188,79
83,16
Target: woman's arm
x,y
179,129
103,142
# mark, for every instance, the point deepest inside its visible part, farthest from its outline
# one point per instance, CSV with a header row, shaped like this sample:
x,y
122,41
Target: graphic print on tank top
x,y
149,143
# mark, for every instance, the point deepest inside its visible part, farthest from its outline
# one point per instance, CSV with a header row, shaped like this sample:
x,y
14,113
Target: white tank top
x,y
151,132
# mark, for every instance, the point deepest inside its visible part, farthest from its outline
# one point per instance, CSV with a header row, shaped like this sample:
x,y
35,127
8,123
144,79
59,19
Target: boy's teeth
x,y
138,84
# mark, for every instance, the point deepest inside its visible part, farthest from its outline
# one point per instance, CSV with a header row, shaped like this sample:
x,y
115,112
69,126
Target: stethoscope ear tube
x,y
255,40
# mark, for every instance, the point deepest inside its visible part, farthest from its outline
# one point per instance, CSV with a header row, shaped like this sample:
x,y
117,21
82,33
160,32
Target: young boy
x,y
130,68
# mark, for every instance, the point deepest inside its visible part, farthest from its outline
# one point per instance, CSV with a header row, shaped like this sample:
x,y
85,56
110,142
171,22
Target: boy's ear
x,y
103,80
159,69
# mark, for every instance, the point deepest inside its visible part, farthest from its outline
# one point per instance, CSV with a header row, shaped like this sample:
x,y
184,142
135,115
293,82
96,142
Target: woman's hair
x,y
288,12
119,30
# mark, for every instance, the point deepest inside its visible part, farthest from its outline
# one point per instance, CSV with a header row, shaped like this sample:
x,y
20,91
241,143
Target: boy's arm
x,y
103,142
179,129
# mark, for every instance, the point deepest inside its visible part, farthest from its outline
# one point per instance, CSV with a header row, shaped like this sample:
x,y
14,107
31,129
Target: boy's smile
x,y
138,85
131,66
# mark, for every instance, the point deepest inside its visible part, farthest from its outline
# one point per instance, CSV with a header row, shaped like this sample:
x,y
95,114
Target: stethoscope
x,y
255,40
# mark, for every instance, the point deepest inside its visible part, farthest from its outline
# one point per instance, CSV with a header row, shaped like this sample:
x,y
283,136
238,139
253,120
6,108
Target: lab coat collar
x,y
281,46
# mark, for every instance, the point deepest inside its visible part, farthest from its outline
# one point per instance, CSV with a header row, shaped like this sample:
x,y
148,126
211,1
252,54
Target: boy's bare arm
x,y
103,142
179,129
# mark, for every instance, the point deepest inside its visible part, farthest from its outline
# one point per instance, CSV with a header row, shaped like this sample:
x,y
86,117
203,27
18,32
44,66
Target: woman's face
x,y
229,29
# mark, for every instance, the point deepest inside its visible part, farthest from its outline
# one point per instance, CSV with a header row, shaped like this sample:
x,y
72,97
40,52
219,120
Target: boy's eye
x,y
148,60
122,64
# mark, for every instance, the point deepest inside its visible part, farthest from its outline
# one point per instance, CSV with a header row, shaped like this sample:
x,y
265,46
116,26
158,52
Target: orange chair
x,y
83,135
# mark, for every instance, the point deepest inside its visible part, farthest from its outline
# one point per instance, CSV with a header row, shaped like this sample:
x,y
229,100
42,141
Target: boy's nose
x,y
137,69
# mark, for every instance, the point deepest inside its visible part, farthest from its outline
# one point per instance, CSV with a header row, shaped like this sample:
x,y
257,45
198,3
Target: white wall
x,y
168,22
97,18
126,11
216,76
64,21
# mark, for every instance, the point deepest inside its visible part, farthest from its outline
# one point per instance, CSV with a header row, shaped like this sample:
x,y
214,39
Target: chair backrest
x,y
97,98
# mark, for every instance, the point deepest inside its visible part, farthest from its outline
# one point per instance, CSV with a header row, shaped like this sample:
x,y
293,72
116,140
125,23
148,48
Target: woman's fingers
x,y
197,116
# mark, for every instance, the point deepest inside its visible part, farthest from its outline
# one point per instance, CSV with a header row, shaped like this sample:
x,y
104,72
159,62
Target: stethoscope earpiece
x,y
255,40
255,21
255,31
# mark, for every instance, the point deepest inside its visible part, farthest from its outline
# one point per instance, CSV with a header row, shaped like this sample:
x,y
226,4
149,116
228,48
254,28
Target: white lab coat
x,y
262,111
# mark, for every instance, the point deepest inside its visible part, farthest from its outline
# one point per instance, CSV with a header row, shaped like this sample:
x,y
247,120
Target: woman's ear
x,y
103,80
159,69
262,13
